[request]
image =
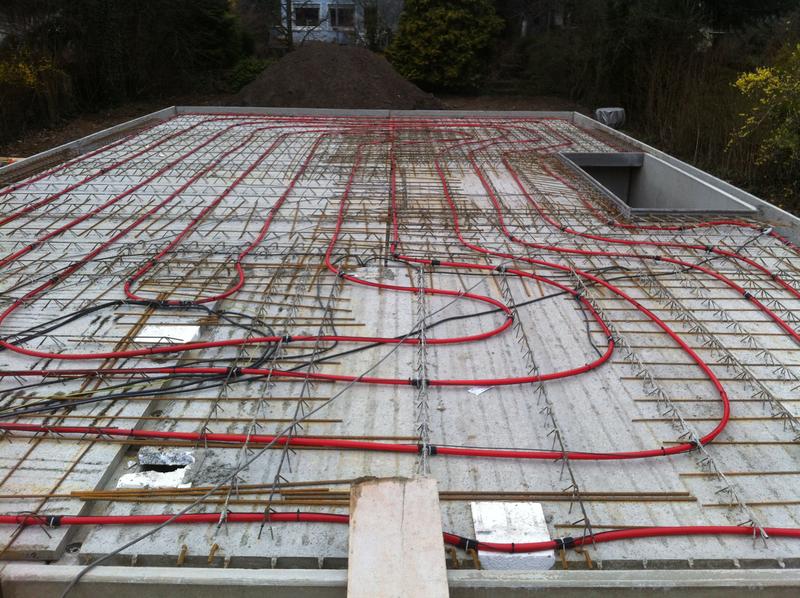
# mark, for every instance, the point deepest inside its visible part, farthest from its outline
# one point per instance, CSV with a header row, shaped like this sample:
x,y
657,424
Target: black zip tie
x,y
436,263
466,543
417,382
747,295
432,450
286,338
565,543
54,520
340,273
501,269
513,547
709,248
234,372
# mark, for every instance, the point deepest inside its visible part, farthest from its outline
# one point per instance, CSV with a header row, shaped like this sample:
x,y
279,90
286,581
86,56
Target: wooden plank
x,y
396,548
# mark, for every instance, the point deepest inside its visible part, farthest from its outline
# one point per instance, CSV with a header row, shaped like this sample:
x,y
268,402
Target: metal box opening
x,y
642,183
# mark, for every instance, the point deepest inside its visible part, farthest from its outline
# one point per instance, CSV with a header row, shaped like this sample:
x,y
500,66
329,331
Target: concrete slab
x,y
25,580
606,409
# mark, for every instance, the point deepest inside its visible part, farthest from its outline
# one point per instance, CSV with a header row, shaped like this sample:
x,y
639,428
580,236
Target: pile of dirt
x,y
319,75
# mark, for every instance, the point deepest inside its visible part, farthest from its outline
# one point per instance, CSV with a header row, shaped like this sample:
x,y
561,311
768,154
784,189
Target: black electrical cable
x,y
214,381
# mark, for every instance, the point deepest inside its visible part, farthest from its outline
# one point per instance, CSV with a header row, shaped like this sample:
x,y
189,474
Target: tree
x,y
773,120
57,55
445,45
732,14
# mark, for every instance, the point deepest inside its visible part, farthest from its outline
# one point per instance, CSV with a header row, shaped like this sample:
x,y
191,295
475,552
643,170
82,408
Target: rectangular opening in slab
x,y
642,183
167,333
505,522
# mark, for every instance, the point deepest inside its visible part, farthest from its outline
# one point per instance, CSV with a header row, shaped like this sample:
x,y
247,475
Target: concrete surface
x,y
606,410
23,580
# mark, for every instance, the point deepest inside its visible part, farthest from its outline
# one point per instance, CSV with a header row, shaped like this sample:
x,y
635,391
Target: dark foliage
x,y
444,45
671,63
109,51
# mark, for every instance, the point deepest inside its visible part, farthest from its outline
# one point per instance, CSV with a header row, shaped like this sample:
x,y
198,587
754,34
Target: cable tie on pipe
x,y
565,543
234,372
432,450
610,223
466,543
709,248
54,520
340,273
286,338
436,263
501,269
513,547
747,295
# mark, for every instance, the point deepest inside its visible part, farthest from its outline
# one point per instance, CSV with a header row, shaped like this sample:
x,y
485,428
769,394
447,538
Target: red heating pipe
x,y
448,538
725,280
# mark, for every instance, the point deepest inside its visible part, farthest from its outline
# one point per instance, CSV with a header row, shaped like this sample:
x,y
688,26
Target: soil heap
x,y
319,75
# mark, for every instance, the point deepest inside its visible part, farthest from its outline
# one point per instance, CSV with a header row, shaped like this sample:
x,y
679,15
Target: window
x,y
342,15
306,15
